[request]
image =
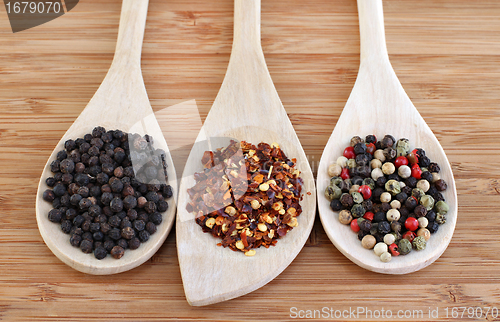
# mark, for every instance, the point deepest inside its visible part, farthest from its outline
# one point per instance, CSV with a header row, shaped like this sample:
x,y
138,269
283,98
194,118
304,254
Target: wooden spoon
x,y
121,102
248,108
379,105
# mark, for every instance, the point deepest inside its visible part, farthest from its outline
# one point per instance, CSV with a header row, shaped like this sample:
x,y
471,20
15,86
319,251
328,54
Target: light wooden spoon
x,y
379,105
121,102
248,108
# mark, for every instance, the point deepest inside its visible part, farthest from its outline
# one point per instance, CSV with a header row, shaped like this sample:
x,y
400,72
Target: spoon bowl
x,y
247,108
121,102
379,105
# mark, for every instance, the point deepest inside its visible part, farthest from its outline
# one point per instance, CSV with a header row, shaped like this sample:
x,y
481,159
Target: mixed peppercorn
x,y
247,195
390,195
108,191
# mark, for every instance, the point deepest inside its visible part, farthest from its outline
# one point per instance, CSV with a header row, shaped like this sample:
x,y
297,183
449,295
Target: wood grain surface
x,y
445,53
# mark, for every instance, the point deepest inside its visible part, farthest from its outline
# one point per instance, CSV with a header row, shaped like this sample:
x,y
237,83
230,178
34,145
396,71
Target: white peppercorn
x,y
379,154
435,177
354,188
380,248
377,173
423,184
423,222
385,257
375,163
389,239
395,204
345,217
334,170
368,242
388,168
393,215
385,197
424,232
404,171
342,161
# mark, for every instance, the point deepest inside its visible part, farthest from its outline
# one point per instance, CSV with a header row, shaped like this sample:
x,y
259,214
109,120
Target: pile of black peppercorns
x,y
100,200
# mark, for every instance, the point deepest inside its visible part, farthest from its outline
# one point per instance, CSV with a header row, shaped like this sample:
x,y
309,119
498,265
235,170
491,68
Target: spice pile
x,y
97,197
390,195
247,195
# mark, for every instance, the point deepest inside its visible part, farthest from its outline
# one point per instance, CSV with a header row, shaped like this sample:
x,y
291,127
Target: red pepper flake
x,y
248,195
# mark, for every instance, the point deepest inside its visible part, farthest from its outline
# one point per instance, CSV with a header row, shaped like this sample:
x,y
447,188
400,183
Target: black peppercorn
x,y
370,139
144,236
381,181
108,245
431,215
424,161
151,228
134,243
384,227
59,190
98,235
123,243
55,215
100,252
150,206
116,184
386,207
440,185
401,197
69,145
162,206
359,148
335,205
139,225
365,225
378,217
156,218
115,233
86,246
167,191
433,226
426,175
75,240
411,203
50,181
129,202
420,211
66,226
367,205
48,195
117,252
116,204
433,167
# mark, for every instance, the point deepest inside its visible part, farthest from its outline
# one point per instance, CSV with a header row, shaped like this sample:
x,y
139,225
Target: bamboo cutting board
x,y
445,53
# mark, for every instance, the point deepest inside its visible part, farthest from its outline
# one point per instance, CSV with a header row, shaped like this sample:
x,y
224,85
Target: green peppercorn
x,y
440,218
419,243
357,211
351,164
369,182
404,246
357,197
402,147
336,181
331,192
427,201
393,187
441,207
417,193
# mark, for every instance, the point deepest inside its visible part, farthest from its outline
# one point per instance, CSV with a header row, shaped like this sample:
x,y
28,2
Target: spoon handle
x,y
246,26
371,29
131,33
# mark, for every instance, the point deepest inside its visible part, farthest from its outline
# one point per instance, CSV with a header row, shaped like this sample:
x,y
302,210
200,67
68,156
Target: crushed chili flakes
x,y
247,195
